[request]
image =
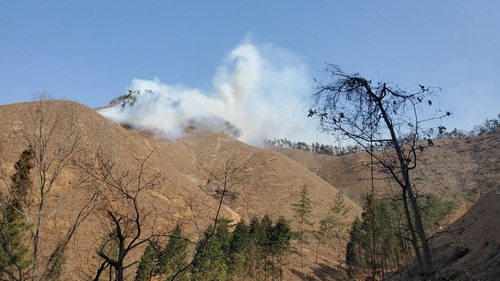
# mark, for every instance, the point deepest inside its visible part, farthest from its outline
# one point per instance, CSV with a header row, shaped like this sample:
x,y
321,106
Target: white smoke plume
x,y
257,88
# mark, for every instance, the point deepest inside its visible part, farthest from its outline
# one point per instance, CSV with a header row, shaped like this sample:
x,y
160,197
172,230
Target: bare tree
x,y
223,179
221,184
124,217
51,134
381,114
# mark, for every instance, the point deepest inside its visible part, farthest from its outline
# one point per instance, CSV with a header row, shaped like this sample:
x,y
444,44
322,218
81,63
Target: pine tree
x,y
239,250
110,247
339,212
333,227
279,244
174,256
13,251
355,248
303,210
162,263
148,263
265,245
371,227
258,241
21,184
210,261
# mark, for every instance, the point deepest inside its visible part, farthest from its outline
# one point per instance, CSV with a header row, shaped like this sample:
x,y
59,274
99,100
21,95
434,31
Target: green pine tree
x,y
210,260
333,227
279,244
13,251
174,257
147,265
239,250
303,210
258,238
355,249
339,211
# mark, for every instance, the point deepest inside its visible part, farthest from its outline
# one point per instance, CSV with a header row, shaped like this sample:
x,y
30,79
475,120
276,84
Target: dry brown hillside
x,y
459,169
270,182
469,248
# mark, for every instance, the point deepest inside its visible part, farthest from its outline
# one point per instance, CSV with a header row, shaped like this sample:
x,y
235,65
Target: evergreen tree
x,y
333,226
265,245
355,248
22,183
303,210
148,263
210,261
13,251
339,211
390,244
164,263
13,260
371,228
174,256
258,238
239,250
323,233
109,246
279,244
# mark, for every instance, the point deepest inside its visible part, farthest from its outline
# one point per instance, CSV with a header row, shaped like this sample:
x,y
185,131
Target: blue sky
x,y
92,51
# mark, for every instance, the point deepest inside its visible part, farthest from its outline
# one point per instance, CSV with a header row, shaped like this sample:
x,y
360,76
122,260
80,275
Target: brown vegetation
x,y
459,169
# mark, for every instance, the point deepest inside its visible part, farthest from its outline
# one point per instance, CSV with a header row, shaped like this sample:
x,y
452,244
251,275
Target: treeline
x,y
314,147
379,241
256,251
441,133
487,126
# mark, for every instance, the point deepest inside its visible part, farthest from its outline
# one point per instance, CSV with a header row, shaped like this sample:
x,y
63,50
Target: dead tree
x,y
381,114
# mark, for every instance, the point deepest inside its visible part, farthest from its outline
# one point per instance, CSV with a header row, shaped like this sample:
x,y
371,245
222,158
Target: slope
x,y
266,182
469,248
459,169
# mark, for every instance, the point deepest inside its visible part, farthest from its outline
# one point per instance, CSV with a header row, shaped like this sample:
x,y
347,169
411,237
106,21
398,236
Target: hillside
x,y
459,169
270,183
183,173
469,248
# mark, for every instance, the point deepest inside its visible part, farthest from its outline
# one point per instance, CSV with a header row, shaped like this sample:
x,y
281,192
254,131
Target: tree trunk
x,y
119,273
407,191
429,267
414,240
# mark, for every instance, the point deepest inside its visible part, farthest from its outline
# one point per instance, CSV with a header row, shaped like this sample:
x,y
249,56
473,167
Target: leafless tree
x,y
120,189
369,114
221,183
50,132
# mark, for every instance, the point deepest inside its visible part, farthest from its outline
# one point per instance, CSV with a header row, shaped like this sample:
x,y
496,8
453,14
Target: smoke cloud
x,y
259,89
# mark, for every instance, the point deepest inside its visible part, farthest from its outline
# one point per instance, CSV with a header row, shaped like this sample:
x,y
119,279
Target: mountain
x,y
267,181
184,174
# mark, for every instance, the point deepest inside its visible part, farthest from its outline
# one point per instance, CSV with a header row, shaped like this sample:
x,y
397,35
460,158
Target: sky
x,y
251,62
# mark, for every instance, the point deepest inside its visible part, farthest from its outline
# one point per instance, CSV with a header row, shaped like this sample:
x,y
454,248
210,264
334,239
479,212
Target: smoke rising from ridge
x,y
257,88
